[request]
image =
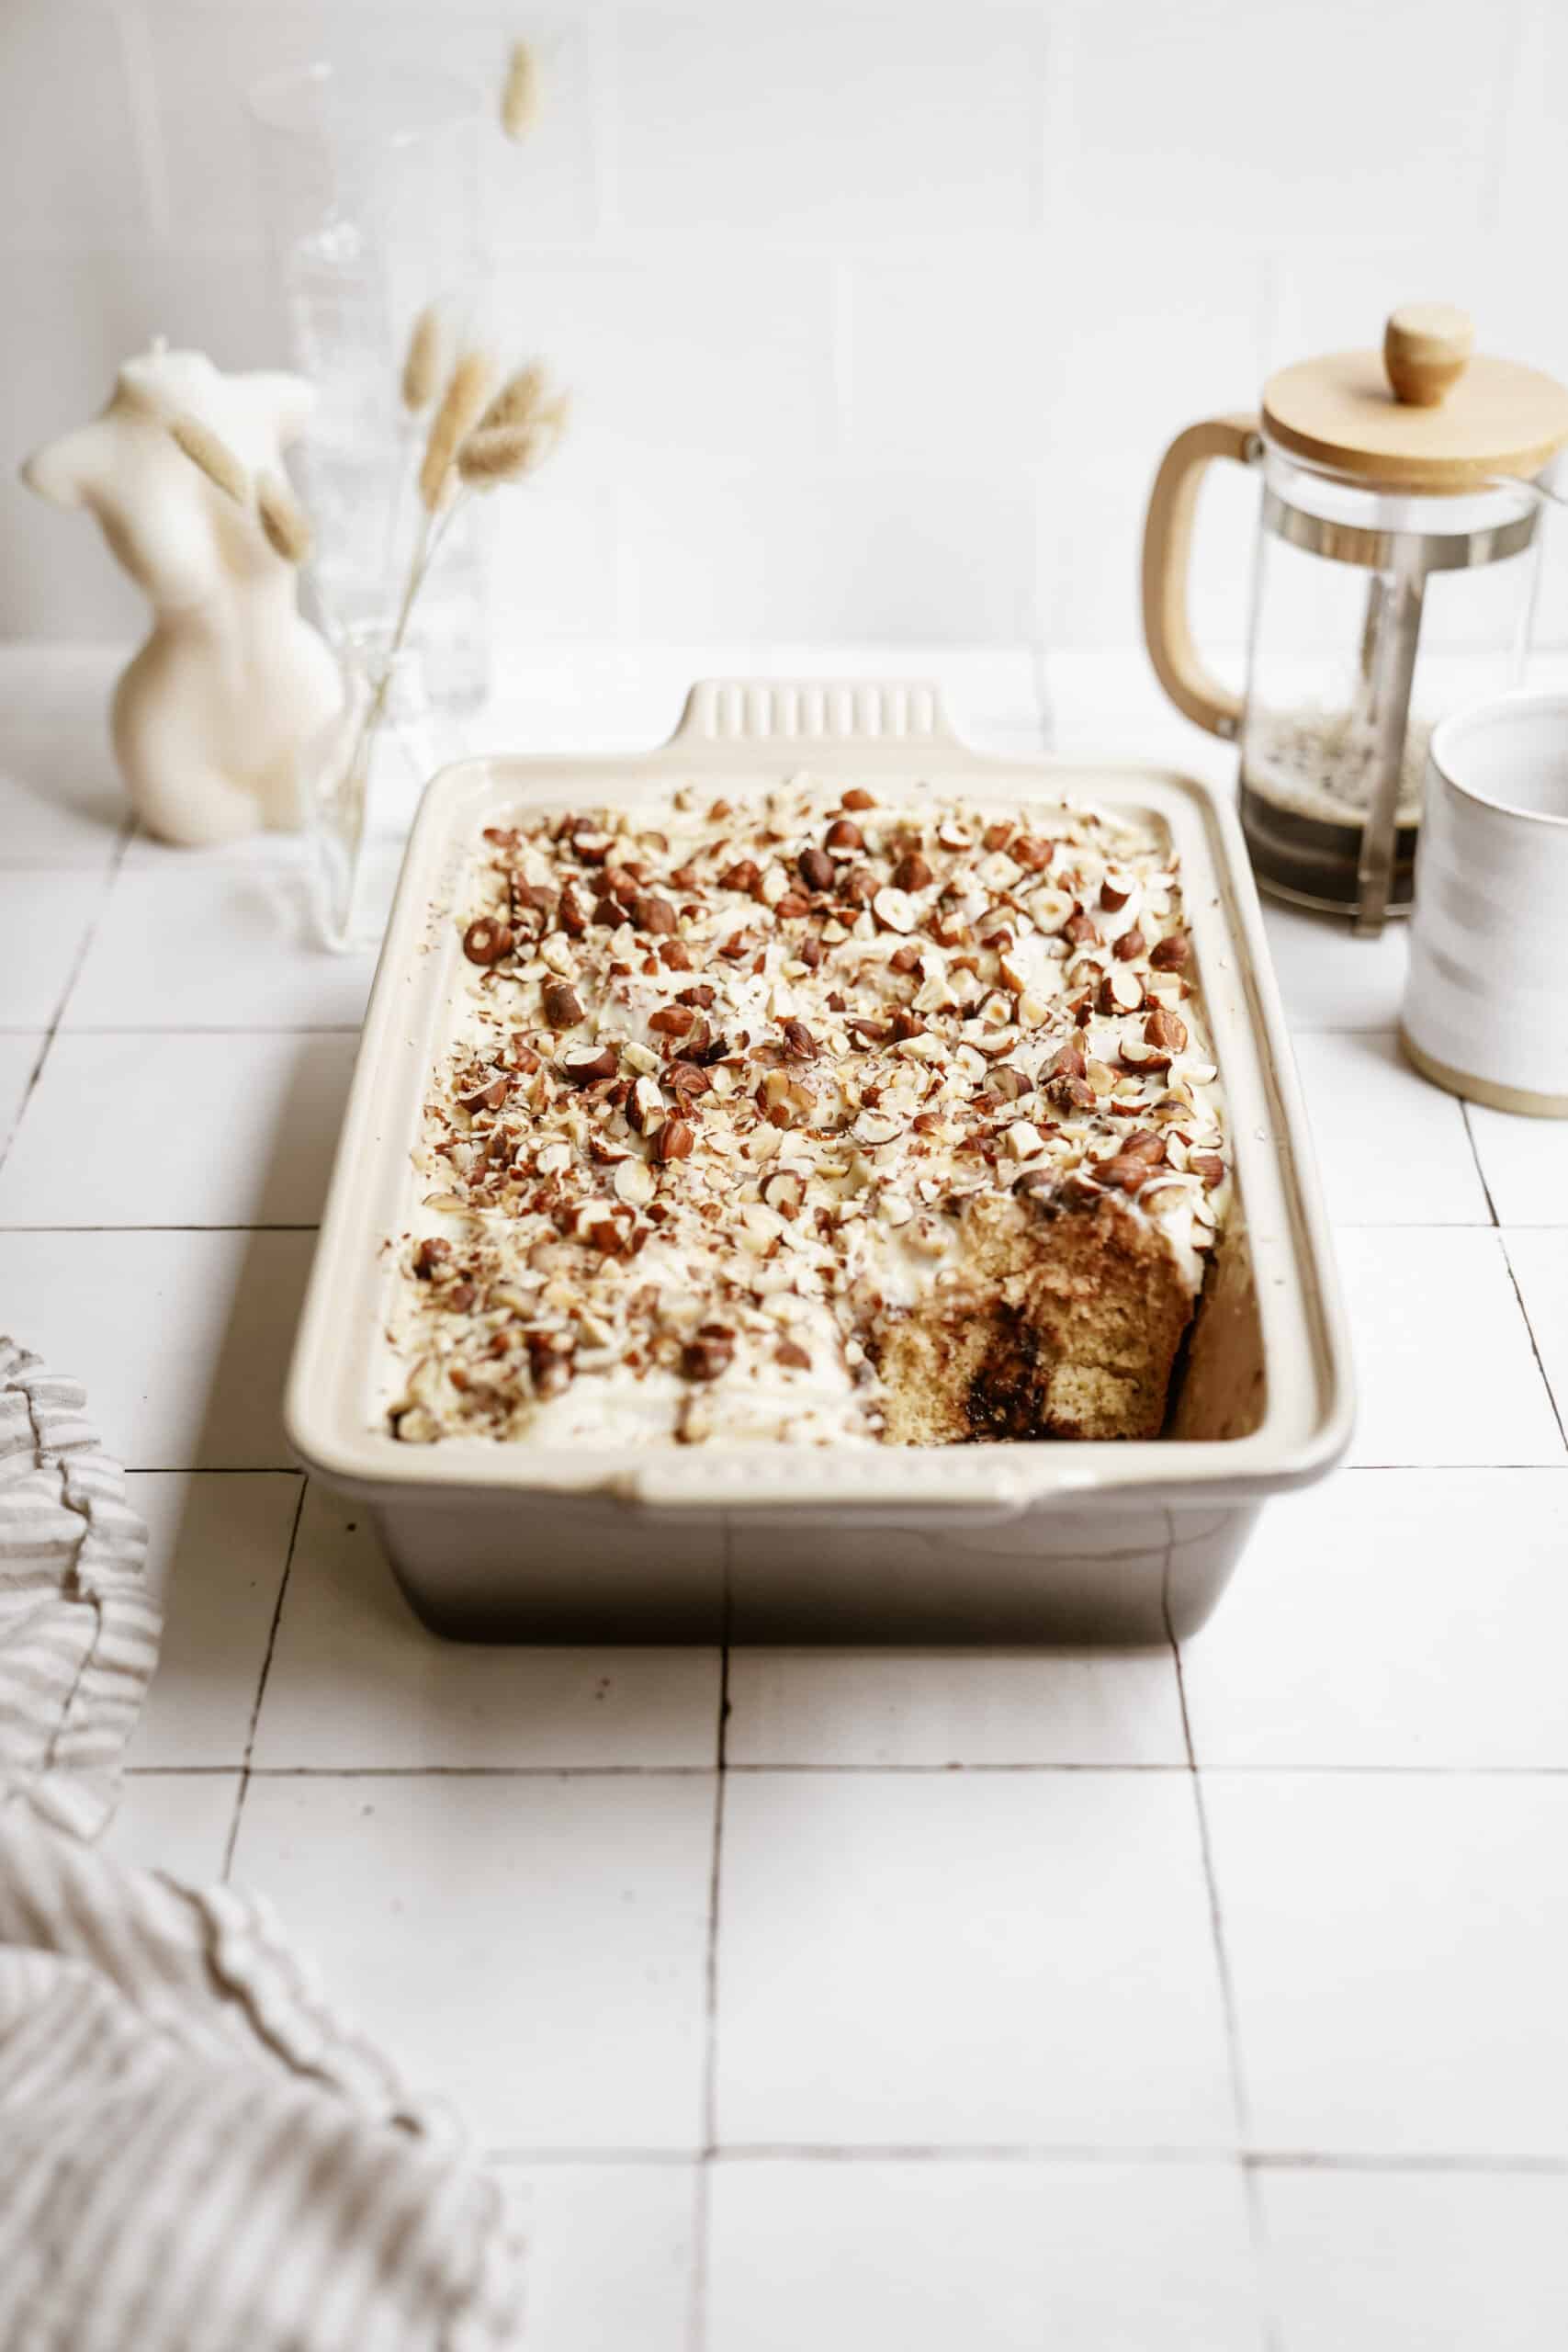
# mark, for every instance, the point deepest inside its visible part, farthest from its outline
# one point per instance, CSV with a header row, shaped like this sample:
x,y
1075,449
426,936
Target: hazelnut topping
x,y
745,1084
486,941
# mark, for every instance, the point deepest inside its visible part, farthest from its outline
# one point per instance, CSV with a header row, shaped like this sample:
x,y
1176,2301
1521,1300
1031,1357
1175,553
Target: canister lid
x,y
1421,414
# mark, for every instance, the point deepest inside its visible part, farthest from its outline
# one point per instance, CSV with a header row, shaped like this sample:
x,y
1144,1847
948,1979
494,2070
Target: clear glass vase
x,y
370,189
362,785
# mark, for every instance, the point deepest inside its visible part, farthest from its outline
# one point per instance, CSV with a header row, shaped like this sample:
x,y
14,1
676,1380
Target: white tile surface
x,y
1398,1945
1392,1149
205,1131
997,2258
1525,1162
953,1707
356,1680
213,947
609,2254
1101,705
180,1340
1444,1367
61,803
532,1947
1374,2262
1329,979
204,58
942,1960
215,1556
73,171
1114,409
1394,1618
956,550
176,1822
921,135
47,919
939,1958
18,1055
1209,129
923,332
655,355
1540,1262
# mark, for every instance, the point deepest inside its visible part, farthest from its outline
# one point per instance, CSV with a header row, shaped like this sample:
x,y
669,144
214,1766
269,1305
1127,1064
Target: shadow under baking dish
x,y
1029,1541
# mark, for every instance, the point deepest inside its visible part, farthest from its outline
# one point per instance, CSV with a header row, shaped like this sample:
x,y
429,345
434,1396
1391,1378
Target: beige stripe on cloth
x,y
196,2154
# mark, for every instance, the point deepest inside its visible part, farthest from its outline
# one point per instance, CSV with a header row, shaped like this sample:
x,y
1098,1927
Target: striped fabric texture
x,y
197,2154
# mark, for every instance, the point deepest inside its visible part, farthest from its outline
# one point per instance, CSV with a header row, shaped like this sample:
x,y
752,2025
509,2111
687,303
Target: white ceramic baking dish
x,y
1013,1541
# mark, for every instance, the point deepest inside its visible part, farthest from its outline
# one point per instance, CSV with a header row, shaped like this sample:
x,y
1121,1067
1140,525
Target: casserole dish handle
x,y
755,710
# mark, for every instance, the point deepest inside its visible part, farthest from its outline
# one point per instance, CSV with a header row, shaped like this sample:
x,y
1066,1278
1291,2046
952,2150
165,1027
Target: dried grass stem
x,y
468,389
520,92
424,363
283,519
213,456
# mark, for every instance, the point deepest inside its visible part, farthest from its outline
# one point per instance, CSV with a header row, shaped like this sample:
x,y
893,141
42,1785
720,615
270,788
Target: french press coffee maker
x,y
1395,576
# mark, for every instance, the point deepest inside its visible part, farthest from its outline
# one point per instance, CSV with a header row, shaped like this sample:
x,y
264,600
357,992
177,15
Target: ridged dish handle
x,y
717,1479
753,710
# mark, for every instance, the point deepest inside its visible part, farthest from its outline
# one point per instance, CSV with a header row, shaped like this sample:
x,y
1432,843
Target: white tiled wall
x,y
880,312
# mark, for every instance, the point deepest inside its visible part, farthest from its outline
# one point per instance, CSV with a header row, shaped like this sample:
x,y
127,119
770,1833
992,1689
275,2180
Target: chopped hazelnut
x,y
650,913
580,1065
562,1005
707,1357
487,940
673,1141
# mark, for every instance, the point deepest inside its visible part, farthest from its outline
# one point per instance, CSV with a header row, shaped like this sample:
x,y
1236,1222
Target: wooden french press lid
x,y
1423,413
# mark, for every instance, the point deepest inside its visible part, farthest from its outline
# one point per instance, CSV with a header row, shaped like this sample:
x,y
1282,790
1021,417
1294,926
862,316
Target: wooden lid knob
x,y
1425,347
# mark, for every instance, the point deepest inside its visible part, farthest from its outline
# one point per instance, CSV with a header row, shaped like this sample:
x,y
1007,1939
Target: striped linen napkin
x,y
197,2154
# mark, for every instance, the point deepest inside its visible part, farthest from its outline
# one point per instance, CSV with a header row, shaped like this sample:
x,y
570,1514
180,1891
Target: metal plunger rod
x,y
1393,627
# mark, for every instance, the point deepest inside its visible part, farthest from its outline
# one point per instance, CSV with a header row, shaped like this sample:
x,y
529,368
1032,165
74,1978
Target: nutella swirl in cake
x,y
831,1117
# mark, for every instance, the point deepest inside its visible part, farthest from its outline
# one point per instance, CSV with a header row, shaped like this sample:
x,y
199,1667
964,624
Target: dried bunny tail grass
x,y
215,459
505,453
283,519
520,92
424,363
468,389
497,454
518,399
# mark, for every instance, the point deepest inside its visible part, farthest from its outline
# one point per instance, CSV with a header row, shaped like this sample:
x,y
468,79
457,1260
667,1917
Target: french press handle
x,y
1168,553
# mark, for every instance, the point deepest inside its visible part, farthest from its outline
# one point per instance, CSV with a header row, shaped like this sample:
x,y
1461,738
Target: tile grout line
x,y
106,886
1535,1344
243,1788
567,1772
1513,1277
697,2314
1251,2192
1040,2151
1475,1155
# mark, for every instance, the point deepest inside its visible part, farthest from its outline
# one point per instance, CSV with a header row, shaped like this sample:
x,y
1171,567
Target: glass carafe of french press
x,y
1397,550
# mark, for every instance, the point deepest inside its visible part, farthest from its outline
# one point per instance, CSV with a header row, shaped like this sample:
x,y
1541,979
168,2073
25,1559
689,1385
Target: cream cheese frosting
x,y
732,1078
